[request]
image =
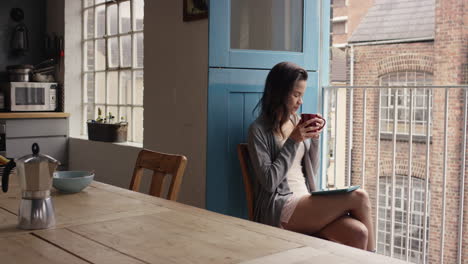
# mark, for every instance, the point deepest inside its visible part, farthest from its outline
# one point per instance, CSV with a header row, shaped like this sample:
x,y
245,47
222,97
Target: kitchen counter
x,y
48,129
25,115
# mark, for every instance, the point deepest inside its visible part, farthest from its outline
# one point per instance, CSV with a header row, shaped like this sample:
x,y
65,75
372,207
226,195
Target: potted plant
x,y
107,129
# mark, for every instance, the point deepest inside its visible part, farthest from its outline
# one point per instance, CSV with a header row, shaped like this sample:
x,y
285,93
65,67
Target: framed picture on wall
x,y
195,9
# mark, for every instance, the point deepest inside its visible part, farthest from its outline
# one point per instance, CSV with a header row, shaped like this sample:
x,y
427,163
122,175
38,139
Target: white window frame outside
x,y
345,22
416,217
346,3
401,78
135,68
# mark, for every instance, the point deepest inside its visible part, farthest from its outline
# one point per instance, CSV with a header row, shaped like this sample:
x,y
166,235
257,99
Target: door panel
x,y
281,36
232,97
272,25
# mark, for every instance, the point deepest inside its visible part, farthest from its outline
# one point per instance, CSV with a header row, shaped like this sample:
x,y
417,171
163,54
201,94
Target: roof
x,y
396,20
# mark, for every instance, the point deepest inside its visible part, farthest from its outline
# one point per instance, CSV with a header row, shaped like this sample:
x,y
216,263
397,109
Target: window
x,y
338,3
113,62
405,78
416,218
339,27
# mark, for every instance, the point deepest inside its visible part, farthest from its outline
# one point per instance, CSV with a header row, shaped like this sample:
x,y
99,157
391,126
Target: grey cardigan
x,y
270,162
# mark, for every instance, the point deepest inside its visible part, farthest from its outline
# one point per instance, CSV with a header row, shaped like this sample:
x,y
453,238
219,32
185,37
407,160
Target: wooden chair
x,y
244,159
161,164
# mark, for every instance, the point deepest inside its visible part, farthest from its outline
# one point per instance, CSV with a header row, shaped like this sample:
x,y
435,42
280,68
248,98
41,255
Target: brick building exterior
x,y
437,58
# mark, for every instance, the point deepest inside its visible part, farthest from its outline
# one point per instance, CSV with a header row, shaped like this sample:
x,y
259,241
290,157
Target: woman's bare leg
x,y
346,230
314,213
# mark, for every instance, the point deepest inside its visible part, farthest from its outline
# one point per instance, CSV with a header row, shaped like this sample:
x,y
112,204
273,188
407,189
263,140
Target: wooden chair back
x,y
244,158
161,164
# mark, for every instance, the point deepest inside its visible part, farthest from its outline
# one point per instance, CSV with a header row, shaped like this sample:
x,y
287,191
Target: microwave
x,y
30,96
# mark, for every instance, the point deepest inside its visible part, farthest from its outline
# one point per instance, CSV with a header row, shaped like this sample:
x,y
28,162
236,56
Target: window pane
x,y
125,87
89,88
420,78
88,3
112,87
428,79
402,77
384,81
138,124
138,52
100,54
267,25
393,79
384,113
138,86
85,113
100,88
126,51
89,56
112,20
89,112
113,51
384,126
419,115
138,11
401,115
124,13
338,3
89,23
96,111
113,111
339,27
384,100
110,83
125,114
100,21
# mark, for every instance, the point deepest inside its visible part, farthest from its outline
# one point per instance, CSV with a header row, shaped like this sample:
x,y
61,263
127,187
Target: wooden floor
x,y
106,224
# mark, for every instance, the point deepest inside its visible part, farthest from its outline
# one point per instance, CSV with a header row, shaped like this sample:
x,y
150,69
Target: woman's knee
x,y
360,235
362,198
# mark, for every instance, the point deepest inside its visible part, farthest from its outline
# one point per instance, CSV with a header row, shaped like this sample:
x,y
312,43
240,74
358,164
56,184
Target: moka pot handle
x,y
6,174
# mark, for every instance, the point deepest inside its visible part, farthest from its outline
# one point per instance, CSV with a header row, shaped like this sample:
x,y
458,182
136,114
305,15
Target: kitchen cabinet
x,y
49,130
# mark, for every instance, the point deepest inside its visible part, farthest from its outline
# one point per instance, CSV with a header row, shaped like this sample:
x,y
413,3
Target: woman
x,y
284,156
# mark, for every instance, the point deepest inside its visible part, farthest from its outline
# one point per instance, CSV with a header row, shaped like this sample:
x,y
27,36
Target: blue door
x,y
247,38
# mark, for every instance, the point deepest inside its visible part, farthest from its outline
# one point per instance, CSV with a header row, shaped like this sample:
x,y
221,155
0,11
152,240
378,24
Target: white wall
x,y
73,65
176,86
112,163
175,98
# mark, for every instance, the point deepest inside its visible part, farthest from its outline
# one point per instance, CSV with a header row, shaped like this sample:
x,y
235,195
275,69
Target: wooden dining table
x,y
107,224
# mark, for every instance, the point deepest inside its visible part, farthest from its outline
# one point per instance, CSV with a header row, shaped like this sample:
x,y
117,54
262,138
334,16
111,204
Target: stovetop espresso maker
x,y
35,173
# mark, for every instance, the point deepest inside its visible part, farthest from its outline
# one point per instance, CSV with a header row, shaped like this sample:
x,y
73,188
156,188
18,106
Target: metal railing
x,y
359,110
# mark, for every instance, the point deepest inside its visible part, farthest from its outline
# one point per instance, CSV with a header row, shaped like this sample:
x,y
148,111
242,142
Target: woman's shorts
x,y
288,209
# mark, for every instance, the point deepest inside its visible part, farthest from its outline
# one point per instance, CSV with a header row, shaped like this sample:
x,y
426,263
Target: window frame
x,y
125,101
417,186
344,22
388,95
344,4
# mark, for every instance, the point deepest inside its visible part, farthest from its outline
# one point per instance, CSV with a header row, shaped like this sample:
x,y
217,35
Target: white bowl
x,y
72,181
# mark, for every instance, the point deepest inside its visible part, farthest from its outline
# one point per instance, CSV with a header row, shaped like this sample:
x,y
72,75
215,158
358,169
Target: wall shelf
x,y
25,115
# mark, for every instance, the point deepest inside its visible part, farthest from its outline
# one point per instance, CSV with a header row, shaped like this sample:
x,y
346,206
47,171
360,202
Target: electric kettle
x,y
35,173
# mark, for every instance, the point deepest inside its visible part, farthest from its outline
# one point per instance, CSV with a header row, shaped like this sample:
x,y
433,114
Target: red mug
x,y
305,117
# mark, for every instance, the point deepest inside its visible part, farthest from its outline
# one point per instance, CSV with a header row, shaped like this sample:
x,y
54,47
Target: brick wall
x,y
450,63
446,58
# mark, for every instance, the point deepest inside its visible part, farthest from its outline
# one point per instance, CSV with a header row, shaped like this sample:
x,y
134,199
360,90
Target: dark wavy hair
x,y
279,84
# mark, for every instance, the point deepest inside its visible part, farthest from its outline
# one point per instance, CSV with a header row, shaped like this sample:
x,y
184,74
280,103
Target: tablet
x,y
336,191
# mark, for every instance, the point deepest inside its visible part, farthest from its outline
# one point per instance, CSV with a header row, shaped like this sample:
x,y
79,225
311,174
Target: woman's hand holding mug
x,y
310,126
